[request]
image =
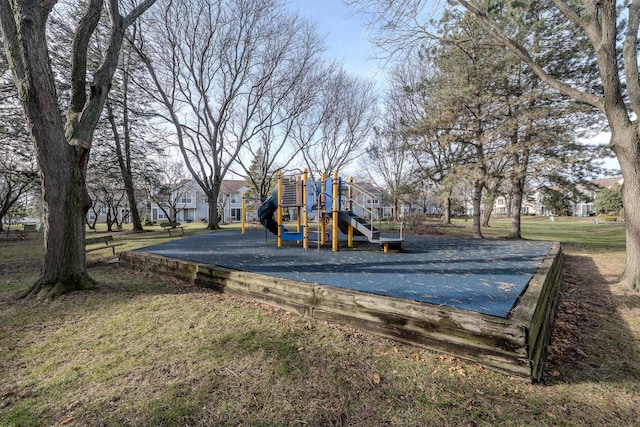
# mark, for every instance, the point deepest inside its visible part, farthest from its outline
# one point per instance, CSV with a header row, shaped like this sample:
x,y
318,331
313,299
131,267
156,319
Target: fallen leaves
x,y
9,393
457,370
72,405
376,378
457,367
564,349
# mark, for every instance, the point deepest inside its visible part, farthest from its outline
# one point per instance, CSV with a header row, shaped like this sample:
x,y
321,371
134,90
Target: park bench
x,y
21,233
30,227
172,226
99,243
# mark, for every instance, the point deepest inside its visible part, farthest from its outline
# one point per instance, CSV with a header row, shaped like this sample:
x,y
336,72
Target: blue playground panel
x,y
485,276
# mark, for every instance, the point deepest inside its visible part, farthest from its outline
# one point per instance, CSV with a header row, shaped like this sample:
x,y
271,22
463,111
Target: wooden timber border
x,y
515,345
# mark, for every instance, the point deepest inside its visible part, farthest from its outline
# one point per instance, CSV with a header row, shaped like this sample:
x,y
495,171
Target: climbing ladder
x,y
291,191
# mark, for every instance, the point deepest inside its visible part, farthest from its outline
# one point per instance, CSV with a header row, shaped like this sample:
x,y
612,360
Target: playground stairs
x,y
361,226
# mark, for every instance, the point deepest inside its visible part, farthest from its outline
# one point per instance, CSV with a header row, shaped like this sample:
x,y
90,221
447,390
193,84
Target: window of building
x,y
186,198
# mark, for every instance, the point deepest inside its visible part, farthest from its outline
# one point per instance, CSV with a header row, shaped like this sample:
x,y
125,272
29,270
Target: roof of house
x,y
608,182
232,185
368,186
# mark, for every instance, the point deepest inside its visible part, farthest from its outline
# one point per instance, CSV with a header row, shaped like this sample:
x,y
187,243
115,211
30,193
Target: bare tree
x,y
276,147
334,132
107,195
62,146
18,177
18,172
613,44
213,66
389,156
131,138
168,188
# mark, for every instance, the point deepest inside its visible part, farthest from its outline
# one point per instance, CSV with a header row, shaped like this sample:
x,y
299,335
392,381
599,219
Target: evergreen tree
x,y
609,200
260,180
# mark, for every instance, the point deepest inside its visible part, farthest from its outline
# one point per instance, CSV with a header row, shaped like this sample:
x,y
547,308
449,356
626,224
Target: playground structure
x,y
492,302
333,199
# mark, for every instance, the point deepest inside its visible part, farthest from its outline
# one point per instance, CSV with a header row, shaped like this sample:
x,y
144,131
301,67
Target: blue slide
x,y
265,212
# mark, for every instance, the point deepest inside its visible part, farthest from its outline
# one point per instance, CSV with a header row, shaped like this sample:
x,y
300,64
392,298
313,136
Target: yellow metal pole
x,y
350,204
298,202
243,213
323,208
305,222
350,193
279,210
334,239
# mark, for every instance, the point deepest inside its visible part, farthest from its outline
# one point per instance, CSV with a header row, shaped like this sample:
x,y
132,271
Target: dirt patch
x,y
594,315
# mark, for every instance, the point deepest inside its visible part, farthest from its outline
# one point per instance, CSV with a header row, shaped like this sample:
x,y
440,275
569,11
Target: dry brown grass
x,y
148,351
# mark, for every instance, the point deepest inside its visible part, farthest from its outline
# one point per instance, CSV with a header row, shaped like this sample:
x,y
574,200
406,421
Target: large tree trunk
x,y
62,151
133,204
626,145
212,198
517,184
447,210
64,267
396,208
62,164
66,203
213,213
477,207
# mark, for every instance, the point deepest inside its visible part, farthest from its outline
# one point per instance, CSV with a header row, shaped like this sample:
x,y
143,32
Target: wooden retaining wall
x,y
536,309
515,346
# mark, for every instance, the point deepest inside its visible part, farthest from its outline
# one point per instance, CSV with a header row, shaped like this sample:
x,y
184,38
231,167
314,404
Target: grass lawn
x,y
143,350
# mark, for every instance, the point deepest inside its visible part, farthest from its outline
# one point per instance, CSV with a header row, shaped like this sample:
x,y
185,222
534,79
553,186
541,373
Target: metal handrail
x,y
352,199
369,195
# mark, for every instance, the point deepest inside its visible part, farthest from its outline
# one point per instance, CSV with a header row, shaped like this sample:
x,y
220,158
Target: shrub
x,y
415,219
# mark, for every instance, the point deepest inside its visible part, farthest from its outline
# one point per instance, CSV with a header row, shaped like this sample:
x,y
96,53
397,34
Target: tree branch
x,y
137,11
524,55
78,78
102,77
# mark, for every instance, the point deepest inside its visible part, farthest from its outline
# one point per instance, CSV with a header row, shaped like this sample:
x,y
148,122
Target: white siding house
x,y
191,204
585,206
532,203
